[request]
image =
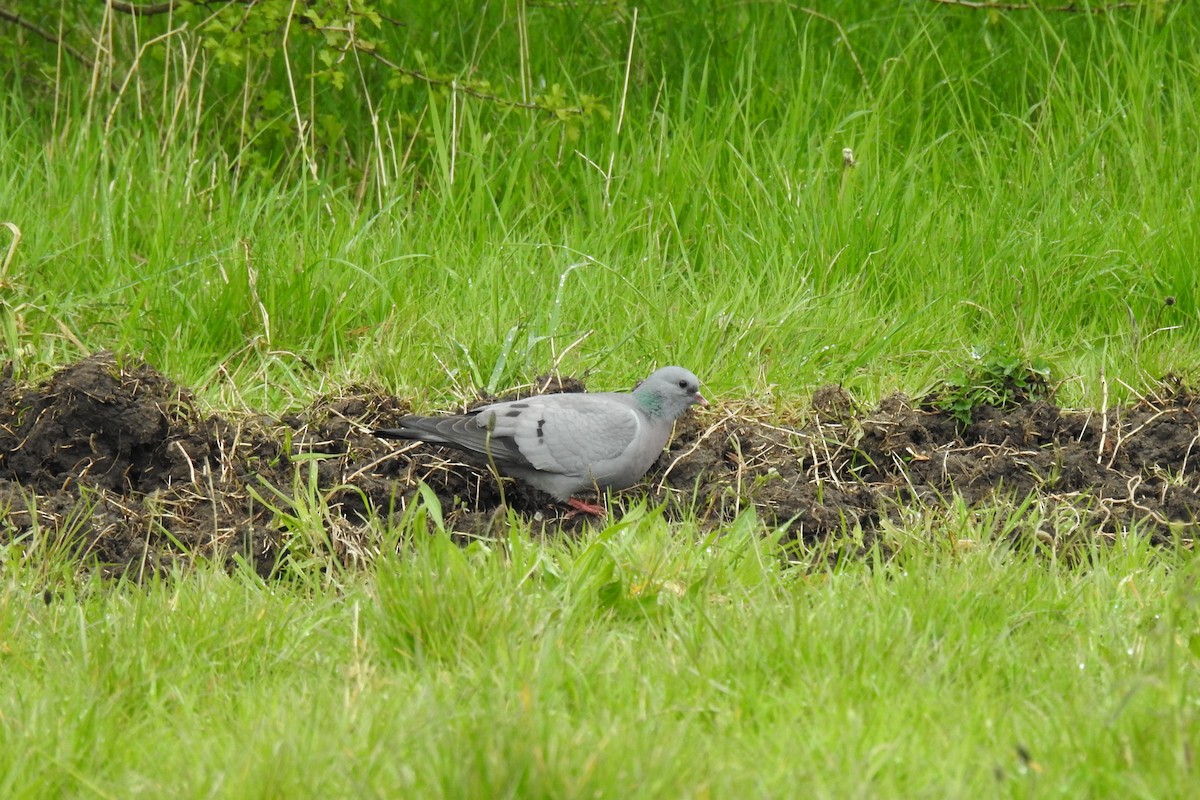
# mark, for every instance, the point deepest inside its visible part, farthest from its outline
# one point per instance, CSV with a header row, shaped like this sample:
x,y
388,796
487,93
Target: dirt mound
x,y
98,423
115,461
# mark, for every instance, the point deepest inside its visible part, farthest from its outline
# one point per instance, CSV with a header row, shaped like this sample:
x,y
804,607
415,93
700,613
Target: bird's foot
x,y
580,507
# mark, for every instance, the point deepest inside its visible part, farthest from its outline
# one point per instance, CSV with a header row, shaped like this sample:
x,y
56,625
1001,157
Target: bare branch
x,y
458,87
16,19
137,10
1069,8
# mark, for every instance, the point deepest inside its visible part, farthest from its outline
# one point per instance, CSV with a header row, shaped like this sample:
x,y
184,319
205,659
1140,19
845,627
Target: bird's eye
x,y
683,384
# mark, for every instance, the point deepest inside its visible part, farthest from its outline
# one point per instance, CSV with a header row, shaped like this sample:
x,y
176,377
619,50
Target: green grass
x,y
639,662
1022,186
1025,189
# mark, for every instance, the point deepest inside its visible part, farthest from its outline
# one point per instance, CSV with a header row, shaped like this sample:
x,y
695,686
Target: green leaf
x,y
1194,644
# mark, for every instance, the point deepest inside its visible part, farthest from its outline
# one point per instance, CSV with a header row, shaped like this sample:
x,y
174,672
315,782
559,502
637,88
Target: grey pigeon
x,y
568,443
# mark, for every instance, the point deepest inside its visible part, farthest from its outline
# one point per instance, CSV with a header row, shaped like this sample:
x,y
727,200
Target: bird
x,y
565,444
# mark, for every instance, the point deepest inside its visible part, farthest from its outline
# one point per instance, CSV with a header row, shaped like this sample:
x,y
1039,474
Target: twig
x,y
388,455
1103,418
862,74
155,9
16,19
137,60
12,249
695,446
1122,438
828,457
1188,454
191,466
468,90
143,11
1069,8
1131,487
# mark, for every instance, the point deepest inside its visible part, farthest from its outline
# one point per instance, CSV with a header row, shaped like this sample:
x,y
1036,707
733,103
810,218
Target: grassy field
x,y
638,663
1024,187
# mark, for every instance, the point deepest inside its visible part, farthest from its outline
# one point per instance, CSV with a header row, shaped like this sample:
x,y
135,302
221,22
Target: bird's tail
x,y
421,429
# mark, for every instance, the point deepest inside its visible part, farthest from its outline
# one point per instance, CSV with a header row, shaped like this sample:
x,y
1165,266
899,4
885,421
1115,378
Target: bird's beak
x,y
699,398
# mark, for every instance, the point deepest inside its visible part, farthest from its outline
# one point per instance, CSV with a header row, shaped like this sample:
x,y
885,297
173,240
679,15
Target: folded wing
x,y
566,434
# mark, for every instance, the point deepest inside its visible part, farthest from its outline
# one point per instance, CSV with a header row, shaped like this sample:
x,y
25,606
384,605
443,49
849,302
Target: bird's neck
x,y
652,404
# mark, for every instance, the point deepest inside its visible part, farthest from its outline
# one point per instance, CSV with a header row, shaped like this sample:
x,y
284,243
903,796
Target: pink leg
x,y
580,507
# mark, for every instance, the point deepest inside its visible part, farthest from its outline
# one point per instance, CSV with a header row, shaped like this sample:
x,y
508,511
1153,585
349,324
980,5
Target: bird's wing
x,y
566,433
464,431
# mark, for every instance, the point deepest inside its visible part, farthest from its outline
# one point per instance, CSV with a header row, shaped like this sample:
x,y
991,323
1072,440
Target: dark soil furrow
x,y
110,458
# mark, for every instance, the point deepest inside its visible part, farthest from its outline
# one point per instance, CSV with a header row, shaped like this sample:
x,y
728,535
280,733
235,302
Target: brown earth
x,y
114,461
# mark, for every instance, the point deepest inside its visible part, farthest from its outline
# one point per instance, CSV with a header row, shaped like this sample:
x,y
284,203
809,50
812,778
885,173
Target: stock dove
x,y
564,444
